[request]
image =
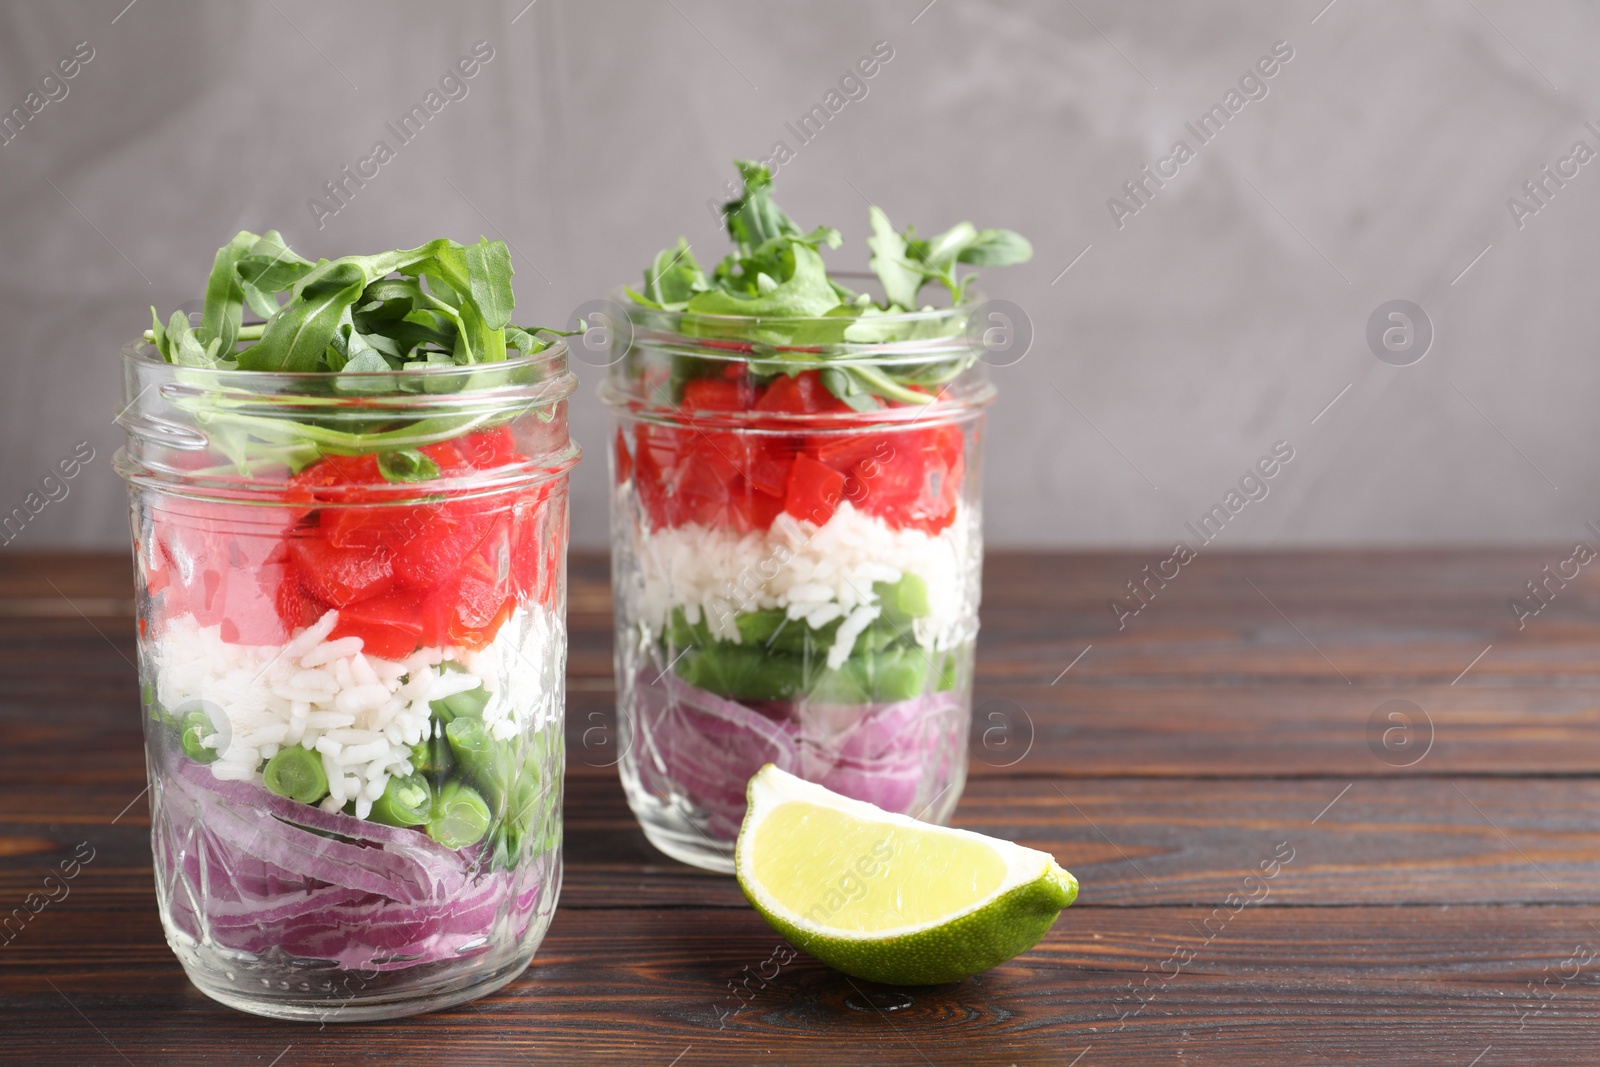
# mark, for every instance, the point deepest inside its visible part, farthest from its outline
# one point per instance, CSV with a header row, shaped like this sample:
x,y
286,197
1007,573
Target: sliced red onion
x,y
239,875
695,743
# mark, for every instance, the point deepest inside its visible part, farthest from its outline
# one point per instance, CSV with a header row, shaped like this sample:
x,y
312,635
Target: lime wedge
x,y
885,897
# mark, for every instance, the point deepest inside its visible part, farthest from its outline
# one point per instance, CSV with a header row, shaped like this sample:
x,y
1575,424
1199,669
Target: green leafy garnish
x,y
407,465
439,306
442,303
776,273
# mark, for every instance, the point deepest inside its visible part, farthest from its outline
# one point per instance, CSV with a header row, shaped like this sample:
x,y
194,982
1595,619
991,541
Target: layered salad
x,y
351,619
797,537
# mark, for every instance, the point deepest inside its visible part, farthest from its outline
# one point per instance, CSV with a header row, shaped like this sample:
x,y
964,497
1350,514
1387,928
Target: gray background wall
x,y
1222,317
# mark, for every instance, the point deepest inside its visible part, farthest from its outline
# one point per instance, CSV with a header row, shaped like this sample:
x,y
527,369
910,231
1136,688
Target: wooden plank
x,y
1334,617
1109,715
1132,842
1274,728
1273,985
1210,735
1078,727
1324,616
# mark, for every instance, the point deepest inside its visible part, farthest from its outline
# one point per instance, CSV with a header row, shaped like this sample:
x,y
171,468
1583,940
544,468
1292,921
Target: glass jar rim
x,y
170,409
735,337
140,352
621,296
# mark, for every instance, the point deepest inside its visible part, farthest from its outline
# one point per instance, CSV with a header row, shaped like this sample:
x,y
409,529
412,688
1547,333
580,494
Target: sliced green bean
x,y
459,816
196,726
296,773
406,801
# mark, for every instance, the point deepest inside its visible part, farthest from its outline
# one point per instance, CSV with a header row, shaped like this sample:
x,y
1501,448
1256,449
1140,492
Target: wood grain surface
x,y
1441,906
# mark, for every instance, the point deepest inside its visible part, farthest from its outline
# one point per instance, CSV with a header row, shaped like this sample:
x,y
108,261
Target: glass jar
x,y
351,610
796,581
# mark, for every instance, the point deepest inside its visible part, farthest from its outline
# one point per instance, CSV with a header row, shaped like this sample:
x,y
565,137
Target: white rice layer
x,y
361,713
814,573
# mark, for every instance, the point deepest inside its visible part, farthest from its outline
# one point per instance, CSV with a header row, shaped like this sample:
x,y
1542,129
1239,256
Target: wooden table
x,y
1441,912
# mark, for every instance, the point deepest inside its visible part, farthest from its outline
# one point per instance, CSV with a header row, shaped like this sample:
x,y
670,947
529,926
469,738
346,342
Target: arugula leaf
x,y
674,277
940,253
441,304
803,291
271,265
300,333
963,243
997,248
407,465
489,275
899,277
186,349
224,305
798,315
158,335
349,314
752,218
527,343
259,301
847,388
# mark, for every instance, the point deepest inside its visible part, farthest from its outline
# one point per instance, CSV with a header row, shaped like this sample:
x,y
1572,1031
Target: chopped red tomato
x,y
712,394
915,482
477,451
846,451
374,526
491,448
334,477
437,546
478,600
815,490
340,576
390,627
533,532
624,459
223,568
700,493
400,575
906,475
296,607
447,456
767,468
800,394
757,510
782,395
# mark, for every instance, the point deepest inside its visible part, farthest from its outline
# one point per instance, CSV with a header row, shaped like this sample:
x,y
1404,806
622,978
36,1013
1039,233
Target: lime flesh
x,y
884,897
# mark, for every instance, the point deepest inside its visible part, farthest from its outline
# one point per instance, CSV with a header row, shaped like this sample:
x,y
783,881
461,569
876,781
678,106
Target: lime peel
x,y
884,897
